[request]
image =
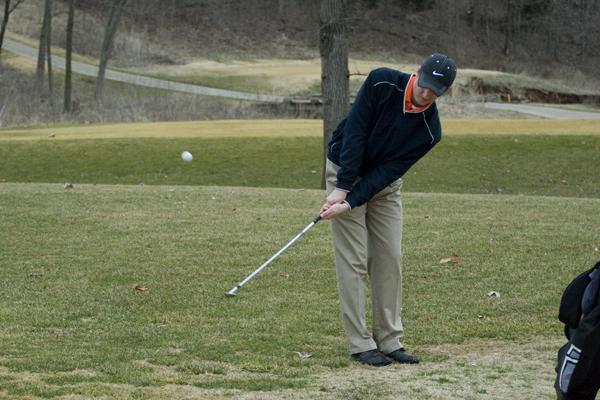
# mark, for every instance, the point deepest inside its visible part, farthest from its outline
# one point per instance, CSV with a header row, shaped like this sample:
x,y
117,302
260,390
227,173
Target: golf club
x,y
232,292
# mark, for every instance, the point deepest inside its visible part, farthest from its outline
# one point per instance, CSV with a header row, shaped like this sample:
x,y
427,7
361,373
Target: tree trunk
x,y
281,10
585,10
111,28
7,11
69,51
551,24
41,61
487,25
4,22
508,27
334,69
49,53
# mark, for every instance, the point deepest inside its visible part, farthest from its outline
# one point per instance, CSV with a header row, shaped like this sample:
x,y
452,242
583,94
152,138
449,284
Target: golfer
x,y
393,123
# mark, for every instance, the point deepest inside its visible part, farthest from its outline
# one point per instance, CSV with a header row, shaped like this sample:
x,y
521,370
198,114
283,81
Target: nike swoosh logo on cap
x,y
437,73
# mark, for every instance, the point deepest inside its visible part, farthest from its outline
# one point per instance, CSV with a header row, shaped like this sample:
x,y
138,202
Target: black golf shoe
x,y
403,357
373,357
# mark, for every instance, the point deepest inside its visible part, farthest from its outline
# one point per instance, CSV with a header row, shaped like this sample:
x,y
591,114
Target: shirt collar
x,y
409,106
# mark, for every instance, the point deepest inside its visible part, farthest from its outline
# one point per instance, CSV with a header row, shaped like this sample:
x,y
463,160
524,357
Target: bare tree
x,y
41,61
69,51
7,11
281,10
334,69
585,9
49,52
107,45
509,27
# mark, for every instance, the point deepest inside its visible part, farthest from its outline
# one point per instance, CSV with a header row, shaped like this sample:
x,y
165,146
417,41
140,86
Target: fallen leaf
x,y
303,355
140,288
453,258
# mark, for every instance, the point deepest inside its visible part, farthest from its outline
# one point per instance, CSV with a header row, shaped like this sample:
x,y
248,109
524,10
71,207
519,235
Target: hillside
x,y
232,45
508,36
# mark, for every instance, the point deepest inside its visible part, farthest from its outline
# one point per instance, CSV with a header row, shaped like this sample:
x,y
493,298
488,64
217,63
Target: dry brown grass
x,y
520,127
283,76
285,128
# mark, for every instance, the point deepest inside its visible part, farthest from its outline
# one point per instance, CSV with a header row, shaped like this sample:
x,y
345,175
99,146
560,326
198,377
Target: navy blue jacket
x,y
378,141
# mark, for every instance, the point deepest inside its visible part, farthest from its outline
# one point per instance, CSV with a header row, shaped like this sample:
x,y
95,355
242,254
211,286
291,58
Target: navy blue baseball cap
x,y
437,73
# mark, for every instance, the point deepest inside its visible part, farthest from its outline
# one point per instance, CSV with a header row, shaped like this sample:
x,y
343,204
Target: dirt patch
x,y
492,91
542,96
475,370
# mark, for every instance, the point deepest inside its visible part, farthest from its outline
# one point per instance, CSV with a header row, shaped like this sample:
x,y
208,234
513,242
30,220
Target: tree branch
x,y
15,6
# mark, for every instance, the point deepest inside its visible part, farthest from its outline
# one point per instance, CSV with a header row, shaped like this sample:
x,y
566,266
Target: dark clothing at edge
x,y
379,141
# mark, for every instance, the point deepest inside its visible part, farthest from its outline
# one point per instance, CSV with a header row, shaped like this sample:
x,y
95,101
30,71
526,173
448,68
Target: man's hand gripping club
x,y
335,204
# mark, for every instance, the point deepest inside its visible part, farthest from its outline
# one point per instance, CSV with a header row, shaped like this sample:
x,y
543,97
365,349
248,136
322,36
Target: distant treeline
x,y
523,35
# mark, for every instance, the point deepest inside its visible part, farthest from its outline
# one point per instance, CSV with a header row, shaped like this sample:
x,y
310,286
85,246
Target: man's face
x,y
421,95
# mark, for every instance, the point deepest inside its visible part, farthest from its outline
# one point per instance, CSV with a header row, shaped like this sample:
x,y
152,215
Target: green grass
x,y
71,259
521,211
564,165
556,165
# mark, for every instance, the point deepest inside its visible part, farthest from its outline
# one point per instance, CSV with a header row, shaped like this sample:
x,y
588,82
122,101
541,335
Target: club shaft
x,y
270,260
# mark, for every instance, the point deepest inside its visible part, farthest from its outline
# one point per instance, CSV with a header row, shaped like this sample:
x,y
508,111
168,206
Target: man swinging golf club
x,y
393,123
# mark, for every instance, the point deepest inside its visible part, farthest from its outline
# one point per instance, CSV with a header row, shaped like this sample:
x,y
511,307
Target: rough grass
x,y
23,104
72,318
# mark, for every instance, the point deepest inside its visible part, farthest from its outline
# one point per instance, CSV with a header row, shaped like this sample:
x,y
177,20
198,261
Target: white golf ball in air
x,y
187,156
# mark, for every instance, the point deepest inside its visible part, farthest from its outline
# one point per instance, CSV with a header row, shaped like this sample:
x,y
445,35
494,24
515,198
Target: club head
x,y
231,293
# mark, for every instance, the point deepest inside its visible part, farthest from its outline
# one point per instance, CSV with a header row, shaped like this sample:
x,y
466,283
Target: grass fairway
x,y
518,204
536,158
73,323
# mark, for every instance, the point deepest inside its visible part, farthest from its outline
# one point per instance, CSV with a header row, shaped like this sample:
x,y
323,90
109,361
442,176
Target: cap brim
x,y
425,81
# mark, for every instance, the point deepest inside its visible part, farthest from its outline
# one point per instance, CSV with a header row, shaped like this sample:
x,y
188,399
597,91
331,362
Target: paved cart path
x,y
92,70
544,112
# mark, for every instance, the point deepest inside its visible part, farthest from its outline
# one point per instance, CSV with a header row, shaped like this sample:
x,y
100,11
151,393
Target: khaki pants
x,y
367,243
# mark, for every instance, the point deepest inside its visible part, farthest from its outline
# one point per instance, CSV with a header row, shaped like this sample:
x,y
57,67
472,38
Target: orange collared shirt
x,y
408,104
